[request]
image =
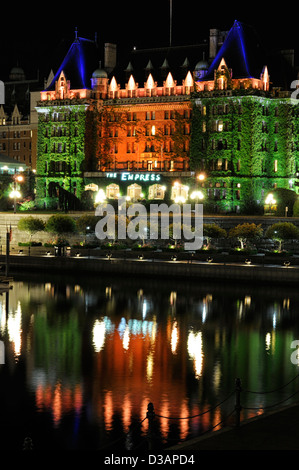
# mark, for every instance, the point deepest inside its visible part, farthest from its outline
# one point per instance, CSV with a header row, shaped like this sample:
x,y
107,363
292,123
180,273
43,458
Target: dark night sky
x,y
39,37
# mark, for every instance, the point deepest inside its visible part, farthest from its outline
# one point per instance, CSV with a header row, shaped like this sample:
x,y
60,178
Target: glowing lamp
x,y
15,194
179,199
197,195
270,199
100,197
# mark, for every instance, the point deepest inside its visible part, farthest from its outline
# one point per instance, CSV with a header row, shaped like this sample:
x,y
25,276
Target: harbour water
x,y
84,356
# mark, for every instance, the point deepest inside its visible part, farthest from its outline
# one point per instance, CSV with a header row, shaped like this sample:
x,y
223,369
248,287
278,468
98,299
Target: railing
x,y
237,407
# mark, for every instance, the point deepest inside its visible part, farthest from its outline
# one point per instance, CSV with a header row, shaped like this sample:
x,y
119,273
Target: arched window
x,y
156,191
179,192
112,191
134,191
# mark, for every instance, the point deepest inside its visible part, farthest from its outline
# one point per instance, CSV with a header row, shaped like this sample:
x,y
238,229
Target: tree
x,y
245,232
296,208
60,225
31,225
282,231
211,231
86,223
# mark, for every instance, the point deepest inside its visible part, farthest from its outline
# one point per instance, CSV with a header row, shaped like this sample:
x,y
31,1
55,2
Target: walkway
x,y
274,431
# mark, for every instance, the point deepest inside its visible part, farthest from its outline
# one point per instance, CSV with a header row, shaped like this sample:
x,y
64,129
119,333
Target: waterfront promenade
x,y
276,431
167,265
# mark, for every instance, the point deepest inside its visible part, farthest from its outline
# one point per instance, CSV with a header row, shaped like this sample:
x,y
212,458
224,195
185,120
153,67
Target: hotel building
x,y
167,124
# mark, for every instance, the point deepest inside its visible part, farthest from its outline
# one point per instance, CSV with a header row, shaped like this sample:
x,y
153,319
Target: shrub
x,y
211,231
86,223
60,224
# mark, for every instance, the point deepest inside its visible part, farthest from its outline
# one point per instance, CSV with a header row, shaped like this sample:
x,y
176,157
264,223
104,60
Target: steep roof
x,y
79,63
241,52
159,62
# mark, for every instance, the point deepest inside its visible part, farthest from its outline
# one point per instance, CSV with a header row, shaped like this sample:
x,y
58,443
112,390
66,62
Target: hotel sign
x,y
135,176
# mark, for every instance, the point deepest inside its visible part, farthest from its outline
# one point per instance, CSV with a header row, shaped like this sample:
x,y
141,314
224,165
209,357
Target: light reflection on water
x,y
83,358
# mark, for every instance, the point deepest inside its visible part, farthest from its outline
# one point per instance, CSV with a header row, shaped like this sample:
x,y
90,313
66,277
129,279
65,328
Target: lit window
x,y
134,191
112,191
179,192
156,191
275,166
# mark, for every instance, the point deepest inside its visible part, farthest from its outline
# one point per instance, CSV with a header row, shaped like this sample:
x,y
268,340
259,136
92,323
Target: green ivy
x,y
64,165
257,144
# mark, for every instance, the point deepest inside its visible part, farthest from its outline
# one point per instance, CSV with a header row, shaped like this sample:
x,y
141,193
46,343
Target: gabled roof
x,y
78,65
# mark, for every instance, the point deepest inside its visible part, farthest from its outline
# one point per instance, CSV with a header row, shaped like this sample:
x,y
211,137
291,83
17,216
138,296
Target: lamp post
x,y
15,194
271,203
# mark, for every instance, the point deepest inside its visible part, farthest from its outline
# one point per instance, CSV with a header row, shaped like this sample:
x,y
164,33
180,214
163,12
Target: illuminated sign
x,y
135,176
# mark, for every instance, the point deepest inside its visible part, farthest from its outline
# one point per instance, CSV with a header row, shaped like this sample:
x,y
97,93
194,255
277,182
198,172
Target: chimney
x,y
213,43
109,57
289,56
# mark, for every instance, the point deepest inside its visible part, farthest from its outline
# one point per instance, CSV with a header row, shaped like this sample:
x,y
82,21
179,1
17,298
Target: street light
x,y
197,195
15,194
100,197
271,202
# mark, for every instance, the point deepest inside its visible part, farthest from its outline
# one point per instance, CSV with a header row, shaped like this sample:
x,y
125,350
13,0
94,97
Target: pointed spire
x,y
185,63
76,34
129,67
165,64
149,65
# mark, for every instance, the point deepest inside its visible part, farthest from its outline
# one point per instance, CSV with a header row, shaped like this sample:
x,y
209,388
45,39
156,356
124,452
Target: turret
x,y
99,82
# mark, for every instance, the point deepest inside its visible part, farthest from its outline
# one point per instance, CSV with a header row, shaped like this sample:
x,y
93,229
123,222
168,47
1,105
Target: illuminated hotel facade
x,y
166,124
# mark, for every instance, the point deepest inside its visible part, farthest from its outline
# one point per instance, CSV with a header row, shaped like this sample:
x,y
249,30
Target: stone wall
x,y
135,268
8,220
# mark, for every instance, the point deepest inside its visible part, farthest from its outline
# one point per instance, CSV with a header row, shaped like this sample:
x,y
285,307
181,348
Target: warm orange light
x,y
131,83
169,81
113,84
150,82
189,80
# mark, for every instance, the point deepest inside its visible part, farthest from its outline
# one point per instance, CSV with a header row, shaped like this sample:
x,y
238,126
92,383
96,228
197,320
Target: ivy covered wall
x,y
246,145
61,152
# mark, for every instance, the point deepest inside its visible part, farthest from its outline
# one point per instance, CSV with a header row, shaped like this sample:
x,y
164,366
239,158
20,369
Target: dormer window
x,y
62,86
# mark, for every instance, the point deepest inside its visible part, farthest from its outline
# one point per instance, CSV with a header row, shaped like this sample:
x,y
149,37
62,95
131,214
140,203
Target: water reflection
x,y
87,356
